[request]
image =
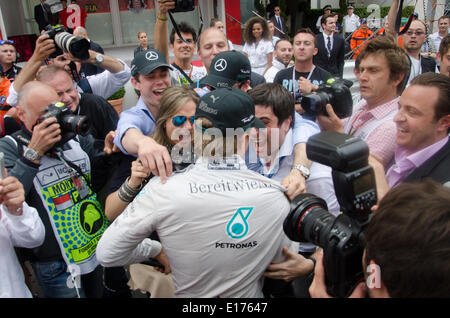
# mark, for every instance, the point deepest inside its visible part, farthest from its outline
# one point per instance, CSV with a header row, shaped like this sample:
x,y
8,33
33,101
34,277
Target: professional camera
x,y
335,92
68,43
183,6
71,125
342,237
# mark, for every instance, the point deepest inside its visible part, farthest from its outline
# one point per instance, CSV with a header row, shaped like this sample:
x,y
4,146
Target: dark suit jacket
x,y
334,64
435,168
88,68
283,24
40,17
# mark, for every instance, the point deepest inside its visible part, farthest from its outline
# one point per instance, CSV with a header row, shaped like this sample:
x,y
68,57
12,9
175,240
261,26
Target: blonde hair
x,y
172,100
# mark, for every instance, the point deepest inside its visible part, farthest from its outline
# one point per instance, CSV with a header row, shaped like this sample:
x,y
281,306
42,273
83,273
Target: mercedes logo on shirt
x,y
220,65
151,56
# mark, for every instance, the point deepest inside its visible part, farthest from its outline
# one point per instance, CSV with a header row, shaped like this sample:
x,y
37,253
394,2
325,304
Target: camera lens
x,y
315,103
308,220
79,125
78,47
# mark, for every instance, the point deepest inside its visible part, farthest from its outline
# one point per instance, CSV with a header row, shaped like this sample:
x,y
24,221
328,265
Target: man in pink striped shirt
x,y
381,68
422,141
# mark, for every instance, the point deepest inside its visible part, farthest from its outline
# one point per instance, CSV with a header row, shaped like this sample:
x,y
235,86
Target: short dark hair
x,y
409,238
184,27
442,83
213,22
277,97
309,31
445,45
325,17
396,58
281,40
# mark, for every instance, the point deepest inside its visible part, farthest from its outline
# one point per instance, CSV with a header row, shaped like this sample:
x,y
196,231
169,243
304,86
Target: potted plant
x,y
116,99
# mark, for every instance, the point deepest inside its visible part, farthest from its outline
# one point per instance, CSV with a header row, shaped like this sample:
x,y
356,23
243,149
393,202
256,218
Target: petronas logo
x,y
237,227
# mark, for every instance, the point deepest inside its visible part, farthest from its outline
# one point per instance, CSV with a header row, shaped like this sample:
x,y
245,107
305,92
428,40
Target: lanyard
x,y
293,79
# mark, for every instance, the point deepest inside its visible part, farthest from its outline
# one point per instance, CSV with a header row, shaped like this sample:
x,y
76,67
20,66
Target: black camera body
x,y
183,6
71,125
335,92
342,237
68,43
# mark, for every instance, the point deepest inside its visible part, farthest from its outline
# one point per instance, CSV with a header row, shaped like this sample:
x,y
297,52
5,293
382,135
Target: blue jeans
x,y
52,278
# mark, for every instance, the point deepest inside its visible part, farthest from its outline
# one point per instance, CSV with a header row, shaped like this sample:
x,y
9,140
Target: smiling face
x,y
417,126
63,85
183,50
257,31
211,42
152,85
283,52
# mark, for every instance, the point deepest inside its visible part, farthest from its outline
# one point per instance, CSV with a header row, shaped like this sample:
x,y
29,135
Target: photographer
x,y
20,226
407,242
56,179
381,68
224,227
115,76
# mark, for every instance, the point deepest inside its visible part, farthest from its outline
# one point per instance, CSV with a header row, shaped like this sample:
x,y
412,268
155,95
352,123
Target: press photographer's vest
x,y
76,216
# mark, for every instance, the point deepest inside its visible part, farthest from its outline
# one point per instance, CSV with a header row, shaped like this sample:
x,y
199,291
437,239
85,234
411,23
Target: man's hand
x,y
295,184
45,135
164,7
318,288
109,146
44,47
155,157
330,122
305,86
12,194
162,258
294,266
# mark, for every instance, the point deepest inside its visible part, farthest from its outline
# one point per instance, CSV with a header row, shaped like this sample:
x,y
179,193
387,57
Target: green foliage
x,y
117,95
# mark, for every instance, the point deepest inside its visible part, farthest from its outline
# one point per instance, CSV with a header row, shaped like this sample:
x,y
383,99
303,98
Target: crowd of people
x,y
185,193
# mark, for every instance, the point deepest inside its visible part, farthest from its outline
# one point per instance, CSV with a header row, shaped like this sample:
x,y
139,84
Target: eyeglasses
x,y
177,121
415,33
6,42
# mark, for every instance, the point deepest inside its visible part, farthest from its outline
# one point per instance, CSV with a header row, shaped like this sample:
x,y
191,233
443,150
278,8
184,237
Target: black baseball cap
x,y
147,61
350,7
226,69
327,7
228,108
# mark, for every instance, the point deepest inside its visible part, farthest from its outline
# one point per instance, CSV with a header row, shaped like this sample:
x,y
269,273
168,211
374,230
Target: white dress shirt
x,y
25,231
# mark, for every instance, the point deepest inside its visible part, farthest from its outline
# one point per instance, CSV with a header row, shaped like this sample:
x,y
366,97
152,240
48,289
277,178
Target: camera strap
x,y
175,26
294,81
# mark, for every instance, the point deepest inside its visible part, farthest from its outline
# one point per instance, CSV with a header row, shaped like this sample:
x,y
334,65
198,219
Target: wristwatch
x,y
303,170
99,59
31,154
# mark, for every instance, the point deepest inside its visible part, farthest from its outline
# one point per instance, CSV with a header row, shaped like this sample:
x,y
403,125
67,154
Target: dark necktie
x,y
279,23
329,46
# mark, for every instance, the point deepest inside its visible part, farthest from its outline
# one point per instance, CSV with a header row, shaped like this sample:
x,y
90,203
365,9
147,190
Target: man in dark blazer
x,y
279,23
422,142
44,16
331,47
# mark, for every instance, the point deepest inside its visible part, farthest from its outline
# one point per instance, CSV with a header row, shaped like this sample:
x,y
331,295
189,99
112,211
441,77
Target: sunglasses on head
x,y
177,121
6,42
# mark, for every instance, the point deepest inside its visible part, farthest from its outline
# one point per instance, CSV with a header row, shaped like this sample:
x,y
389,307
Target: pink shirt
x,y
381,140
404,163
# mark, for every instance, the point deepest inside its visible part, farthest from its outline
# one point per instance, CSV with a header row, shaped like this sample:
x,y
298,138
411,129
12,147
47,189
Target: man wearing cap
x,y
229,69
326,10
150,76
351,22
360,37
213,219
